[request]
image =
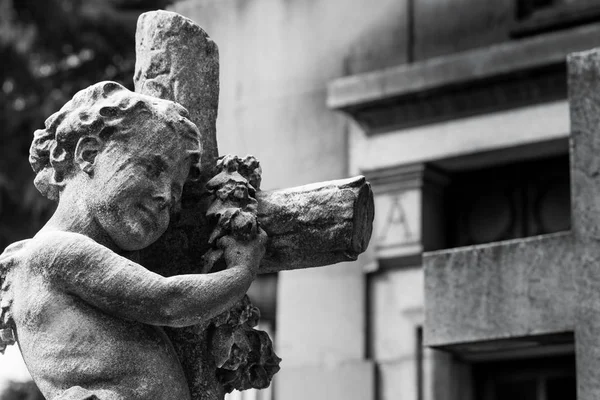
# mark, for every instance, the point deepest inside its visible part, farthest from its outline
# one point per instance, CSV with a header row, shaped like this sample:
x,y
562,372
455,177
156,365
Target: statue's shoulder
x,y
11,256
61,239
46,249
14,256
42,254
42,250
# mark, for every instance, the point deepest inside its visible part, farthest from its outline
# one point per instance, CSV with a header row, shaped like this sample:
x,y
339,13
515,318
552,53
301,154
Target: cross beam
x,y
527,292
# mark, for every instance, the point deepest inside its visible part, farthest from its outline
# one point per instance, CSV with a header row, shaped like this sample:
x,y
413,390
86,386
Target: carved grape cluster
x,y
248,167
234,206
244,356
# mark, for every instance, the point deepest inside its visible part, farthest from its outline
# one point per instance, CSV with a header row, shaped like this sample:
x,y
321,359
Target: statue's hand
x,y
244,253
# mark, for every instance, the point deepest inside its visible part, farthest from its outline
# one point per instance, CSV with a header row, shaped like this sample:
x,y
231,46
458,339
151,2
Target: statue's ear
x,y
86,152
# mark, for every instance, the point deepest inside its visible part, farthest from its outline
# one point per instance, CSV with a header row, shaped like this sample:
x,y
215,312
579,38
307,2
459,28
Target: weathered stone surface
x,y
500,291
315,225
88,319
93,322
243,356
308,226
188,75
176,60
530,70
584,99
548,285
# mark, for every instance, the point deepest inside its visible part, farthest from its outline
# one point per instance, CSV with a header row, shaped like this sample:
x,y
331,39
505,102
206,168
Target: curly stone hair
x,y
100,110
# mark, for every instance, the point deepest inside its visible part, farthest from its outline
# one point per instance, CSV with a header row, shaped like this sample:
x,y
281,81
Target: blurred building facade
x,y
456,111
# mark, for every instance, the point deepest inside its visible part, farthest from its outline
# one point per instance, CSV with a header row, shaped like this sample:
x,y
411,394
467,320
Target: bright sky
x,y
12,366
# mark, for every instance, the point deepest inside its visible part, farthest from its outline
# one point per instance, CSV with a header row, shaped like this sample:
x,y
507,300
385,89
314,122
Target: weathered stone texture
x,y
310,226
584,99
176,60
89,319
317,224
500,291
546,285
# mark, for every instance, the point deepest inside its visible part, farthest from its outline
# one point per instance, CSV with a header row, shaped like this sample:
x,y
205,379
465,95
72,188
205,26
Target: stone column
x,y
409,205
321,335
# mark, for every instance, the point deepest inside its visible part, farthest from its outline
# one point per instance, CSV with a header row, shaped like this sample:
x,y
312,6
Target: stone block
x,y
501,291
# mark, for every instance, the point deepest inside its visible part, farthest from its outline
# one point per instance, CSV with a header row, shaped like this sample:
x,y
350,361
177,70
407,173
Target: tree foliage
x,y
49,50
21,391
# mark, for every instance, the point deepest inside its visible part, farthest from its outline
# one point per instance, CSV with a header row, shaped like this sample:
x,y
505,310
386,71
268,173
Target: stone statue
x,y
87,318
135,288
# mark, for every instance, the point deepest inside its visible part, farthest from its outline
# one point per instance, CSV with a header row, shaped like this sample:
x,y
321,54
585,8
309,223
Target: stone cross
x,y
308,226
524,293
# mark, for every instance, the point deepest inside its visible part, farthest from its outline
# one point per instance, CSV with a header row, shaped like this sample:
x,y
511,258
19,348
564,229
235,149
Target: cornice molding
x,y
511,74
405,177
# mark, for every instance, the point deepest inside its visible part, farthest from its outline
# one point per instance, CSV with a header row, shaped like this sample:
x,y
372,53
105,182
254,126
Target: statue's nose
x,y
164,195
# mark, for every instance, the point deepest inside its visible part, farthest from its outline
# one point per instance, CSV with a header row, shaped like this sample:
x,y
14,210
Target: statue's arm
x,y
122,288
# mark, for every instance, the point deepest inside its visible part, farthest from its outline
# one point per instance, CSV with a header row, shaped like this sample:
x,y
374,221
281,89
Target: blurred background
x,y
455,110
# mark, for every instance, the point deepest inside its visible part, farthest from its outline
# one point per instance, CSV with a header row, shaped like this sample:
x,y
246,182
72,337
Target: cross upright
x,y
308,226
526,293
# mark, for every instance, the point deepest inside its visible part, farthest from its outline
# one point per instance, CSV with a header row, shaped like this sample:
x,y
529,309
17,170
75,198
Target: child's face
x,y
137,183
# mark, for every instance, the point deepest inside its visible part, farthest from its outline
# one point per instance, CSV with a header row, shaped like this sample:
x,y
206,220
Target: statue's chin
x,y
136,240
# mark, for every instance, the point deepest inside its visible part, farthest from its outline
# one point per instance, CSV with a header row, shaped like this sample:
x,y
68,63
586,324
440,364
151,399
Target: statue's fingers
x,y
225,241
262,236
209,259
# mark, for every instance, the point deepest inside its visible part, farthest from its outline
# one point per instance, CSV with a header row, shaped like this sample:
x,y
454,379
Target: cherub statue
x,y
86,317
